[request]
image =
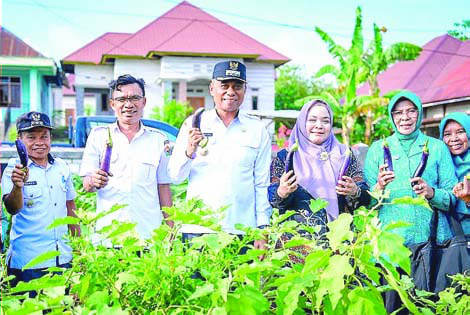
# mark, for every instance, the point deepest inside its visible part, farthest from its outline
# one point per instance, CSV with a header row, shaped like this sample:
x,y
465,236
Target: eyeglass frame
x,y
124,100
411,112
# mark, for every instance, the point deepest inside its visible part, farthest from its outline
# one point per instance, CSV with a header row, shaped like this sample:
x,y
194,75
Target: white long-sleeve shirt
x,y
234,173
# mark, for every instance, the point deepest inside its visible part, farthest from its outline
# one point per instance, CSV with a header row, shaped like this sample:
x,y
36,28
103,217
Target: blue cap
x,y
32,120
229,70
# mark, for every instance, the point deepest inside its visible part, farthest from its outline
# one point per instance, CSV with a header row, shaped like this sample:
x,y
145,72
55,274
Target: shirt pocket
x,y
32,198
146,170
245,152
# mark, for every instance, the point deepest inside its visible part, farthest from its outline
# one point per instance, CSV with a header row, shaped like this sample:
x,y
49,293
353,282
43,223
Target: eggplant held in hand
x,y
345,165
422,164
106,162
387,156
22,153
290,157
196,123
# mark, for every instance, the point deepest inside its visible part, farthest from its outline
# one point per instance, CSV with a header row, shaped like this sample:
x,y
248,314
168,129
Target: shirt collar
x,y
241,118
115,128
50,160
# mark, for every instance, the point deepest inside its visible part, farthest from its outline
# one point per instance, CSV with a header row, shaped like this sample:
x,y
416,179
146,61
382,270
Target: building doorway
x,y
195,101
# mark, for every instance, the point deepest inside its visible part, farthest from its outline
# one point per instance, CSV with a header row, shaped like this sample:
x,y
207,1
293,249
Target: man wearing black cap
x,y
233,167
35,196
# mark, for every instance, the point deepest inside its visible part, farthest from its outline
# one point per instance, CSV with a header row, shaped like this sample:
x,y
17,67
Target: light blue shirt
x,y
233,173
44,199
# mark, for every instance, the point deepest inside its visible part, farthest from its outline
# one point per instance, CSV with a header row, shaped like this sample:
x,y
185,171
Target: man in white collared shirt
x,y
138,175
234,170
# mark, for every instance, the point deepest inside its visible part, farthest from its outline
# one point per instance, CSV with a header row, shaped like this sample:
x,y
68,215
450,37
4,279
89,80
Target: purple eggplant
x,y
197,124
22,153
422,164
197,118
290,157
106,162
387,156
345,165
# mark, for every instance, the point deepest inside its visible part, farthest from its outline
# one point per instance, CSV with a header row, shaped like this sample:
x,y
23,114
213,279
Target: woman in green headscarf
x,y
406,147
455,131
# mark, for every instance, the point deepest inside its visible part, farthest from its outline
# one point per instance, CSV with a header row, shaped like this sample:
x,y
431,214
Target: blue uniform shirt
x,y
44,199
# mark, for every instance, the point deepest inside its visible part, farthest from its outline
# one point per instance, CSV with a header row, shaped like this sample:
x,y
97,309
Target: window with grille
x,y
10,91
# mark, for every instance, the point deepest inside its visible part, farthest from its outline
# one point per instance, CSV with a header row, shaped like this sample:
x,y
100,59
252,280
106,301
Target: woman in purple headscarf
x,y
317,165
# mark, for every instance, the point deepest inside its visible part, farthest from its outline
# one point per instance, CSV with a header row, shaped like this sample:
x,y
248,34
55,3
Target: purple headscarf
x,y
317,166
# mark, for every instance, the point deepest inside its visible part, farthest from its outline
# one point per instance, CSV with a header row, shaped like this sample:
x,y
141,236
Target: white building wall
x,y
93,76
260,76
149,70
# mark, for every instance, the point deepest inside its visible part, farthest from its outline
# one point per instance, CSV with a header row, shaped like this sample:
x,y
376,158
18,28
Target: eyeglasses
x,y
134,99
413,112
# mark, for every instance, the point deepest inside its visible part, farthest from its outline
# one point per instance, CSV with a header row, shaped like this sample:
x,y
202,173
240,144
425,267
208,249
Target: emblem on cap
x,y
233,65
36,116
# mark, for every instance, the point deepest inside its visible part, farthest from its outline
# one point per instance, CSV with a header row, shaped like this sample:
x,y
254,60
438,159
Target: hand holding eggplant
x,y
384,177
195,137
99,178
462,189
421,188
287,184
347,187
19,175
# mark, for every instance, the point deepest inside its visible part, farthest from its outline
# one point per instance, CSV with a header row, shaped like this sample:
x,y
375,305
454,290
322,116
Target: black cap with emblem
x,y
229,70
32,120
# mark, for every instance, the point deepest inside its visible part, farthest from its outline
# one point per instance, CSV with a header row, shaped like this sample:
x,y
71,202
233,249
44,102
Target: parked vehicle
x,y
78,135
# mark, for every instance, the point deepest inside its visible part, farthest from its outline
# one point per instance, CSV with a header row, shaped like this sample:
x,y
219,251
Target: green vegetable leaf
x,y
204,290
417,201
317,204
63,221
391,245
41,258
365,301
340,230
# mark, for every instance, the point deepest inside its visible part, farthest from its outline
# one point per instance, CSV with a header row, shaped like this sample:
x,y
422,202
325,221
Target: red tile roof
x,y
10,45
184,30
441,72
91,53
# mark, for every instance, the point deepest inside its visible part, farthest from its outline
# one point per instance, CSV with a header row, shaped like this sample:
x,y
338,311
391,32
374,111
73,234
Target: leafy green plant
x,y
172,112
291,85
461,31
356,66
341,273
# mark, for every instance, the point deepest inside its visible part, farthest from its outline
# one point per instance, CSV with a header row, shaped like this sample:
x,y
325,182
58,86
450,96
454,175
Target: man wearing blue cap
x,y
232,170
35,196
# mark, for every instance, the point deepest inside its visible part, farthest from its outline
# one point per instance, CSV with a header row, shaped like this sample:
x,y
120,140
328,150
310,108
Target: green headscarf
x,y
462,161
406,140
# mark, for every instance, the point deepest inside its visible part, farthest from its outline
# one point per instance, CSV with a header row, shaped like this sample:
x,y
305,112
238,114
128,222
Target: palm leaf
x,y
328,69
357,43
336,50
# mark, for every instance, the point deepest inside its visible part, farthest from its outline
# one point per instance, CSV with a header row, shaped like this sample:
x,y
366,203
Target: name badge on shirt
x,y
208,134
31,183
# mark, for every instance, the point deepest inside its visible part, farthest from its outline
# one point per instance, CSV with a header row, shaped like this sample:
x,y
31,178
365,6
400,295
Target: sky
x,y
57,28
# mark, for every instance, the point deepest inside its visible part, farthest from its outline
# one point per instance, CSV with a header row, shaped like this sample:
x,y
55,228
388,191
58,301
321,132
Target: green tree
x,y
376,60
172,112
462,30
291,86
357,66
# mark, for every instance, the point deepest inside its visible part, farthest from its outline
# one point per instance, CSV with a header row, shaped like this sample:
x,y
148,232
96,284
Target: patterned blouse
x,y
300,199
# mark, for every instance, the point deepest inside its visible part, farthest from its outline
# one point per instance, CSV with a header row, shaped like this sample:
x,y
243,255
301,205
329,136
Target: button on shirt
x,y
137,168
44,199
234,172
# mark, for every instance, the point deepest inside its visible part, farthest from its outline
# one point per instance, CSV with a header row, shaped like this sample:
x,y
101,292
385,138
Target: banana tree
x,y
377,60
355,67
